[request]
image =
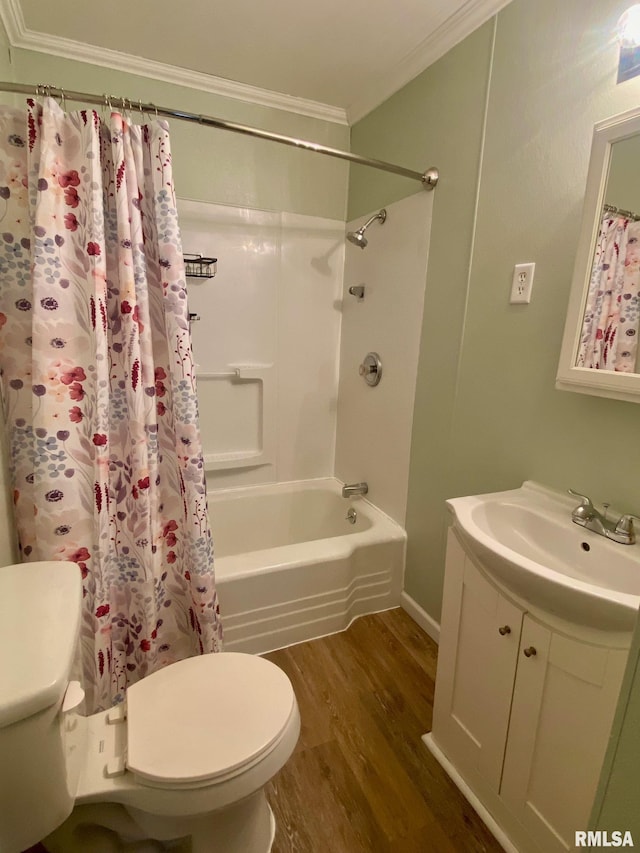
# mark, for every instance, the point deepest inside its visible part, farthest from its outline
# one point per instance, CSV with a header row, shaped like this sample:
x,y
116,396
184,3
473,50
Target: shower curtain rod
x,y
428,178
628,214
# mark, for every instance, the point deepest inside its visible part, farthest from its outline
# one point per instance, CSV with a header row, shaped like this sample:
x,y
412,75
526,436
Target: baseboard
x,y
426,622
483,813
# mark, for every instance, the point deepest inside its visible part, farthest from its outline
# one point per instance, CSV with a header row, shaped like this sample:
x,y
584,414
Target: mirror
x,y
600,351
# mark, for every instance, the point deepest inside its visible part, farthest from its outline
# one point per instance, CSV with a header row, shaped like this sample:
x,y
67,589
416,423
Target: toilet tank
x,y
39,623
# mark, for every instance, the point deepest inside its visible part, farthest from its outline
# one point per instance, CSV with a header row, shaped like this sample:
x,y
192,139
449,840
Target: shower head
x,y
357,237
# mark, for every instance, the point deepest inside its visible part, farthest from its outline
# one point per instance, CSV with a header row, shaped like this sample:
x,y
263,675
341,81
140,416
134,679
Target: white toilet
x,y
188,756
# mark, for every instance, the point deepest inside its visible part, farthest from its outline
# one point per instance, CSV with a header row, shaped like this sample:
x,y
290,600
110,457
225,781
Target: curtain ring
x,y
109,106
63,99
147,109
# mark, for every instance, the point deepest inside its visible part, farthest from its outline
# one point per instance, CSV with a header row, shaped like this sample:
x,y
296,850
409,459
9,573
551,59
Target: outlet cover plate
x,y
522,283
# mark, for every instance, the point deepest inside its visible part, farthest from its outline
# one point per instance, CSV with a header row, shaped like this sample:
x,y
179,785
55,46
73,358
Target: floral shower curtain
x,y
98,387
609,339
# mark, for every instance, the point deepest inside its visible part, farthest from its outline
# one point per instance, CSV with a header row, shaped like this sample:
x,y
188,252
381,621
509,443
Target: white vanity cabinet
x,y
523,706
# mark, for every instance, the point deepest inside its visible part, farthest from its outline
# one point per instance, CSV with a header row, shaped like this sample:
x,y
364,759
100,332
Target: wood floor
x,y
361,780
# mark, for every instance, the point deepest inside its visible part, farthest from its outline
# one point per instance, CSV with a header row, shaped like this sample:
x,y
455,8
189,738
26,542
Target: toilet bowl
x,y
186,757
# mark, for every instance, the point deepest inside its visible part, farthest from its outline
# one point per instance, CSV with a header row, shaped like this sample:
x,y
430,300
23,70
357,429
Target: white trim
x,y
484,814
420,616
570,377
12,18
21,36
462,23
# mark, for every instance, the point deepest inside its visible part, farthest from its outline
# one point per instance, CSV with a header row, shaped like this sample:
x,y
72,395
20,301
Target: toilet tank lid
x,y
39,622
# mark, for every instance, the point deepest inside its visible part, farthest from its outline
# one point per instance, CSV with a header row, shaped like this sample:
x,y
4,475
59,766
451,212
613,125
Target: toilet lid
x,y
205,717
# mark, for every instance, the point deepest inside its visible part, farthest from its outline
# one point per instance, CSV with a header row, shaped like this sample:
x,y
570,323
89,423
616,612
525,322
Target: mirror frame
x,y
586,380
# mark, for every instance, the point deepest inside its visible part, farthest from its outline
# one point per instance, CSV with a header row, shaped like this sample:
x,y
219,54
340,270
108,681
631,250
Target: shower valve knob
x,y
371,368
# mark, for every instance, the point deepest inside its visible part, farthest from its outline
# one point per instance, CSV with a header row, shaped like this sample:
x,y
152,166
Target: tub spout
x,y
348,491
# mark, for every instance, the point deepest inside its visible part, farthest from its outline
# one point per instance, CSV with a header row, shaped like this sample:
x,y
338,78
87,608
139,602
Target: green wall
x,y
487,414
215,165
437,119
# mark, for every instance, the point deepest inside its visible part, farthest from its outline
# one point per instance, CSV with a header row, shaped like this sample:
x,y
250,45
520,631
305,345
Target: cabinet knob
x,y
504,630
530,652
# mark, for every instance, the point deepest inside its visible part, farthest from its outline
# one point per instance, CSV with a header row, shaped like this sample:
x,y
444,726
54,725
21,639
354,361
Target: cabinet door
x,y
563,704
477,657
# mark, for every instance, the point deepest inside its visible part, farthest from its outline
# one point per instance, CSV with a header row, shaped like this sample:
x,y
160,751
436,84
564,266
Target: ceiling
x,y
332,58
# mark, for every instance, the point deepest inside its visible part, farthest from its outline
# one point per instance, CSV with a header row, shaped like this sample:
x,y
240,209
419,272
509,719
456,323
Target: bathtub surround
x,y
374,423
272,312
99,392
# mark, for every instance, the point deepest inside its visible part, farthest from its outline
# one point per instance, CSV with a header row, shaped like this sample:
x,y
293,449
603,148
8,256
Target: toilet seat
x,y
206,719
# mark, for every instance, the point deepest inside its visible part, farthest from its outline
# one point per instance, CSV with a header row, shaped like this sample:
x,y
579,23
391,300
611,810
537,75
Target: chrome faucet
x,y
586,515
348,491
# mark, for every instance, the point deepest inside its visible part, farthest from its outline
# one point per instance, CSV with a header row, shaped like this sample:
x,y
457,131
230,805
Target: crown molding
x,y
12,18
21,36
462,23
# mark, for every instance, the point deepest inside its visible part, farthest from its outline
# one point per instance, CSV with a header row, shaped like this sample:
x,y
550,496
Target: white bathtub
x,y
291,567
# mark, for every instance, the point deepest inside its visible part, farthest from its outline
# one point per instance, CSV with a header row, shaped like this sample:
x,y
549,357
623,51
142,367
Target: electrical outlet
x,y
522,283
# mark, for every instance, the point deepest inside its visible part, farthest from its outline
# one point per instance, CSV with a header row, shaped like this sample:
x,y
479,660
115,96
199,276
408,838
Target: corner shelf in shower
x,y
240,459
265,452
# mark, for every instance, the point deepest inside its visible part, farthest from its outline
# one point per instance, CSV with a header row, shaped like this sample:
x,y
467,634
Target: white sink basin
x,y
526,539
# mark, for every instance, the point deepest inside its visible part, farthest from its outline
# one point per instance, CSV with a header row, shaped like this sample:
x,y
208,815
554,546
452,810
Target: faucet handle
x,y
585,501
625,525
586,510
